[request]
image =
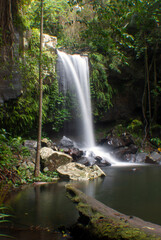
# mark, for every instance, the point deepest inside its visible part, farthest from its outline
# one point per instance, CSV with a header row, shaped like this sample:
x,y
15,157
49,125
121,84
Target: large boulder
x,y
45,153
66,143
77,171
144,157
51,159
156,157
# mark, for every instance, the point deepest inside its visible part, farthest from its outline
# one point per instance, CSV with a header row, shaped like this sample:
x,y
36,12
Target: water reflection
x,y
44,205
131,191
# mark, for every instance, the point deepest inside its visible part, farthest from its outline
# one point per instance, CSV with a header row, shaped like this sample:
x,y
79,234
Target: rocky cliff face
x,y
128,91
10,79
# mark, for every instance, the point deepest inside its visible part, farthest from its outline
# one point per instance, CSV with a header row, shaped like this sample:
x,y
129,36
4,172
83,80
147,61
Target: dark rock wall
x,y
128,89
10,79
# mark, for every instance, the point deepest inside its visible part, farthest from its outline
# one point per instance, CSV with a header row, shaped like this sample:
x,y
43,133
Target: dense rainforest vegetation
x,y
122,40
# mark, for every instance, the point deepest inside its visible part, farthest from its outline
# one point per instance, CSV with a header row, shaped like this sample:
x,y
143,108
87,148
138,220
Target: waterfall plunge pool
x,y
132,190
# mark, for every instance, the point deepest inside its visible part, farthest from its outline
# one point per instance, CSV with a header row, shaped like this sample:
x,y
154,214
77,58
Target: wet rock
x,y
84,161
129,157
144,158
140,157
155,156
122,151
150,160
88,161
101,162
66,150
113,142
122,147
44,142
53,159
30,144
47,143
66,142
77,171
76,153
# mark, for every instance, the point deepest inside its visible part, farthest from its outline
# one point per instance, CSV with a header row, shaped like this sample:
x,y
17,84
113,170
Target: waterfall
x,y
73,72
74,77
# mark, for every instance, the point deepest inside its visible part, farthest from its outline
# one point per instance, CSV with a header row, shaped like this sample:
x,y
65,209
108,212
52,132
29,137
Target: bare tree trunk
x,y
37,163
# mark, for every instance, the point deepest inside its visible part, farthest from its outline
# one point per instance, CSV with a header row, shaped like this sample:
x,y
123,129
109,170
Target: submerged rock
x,y
77,171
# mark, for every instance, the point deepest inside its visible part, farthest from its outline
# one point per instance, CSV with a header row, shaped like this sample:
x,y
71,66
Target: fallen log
x,y
98,221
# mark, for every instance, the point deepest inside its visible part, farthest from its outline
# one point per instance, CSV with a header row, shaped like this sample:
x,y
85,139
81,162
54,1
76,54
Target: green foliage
x,y
3,215
57,113
46,177
119,129
3,219
106,33
21,116
10,150
7,151
27,176
135,126
109,31
101,91
147,20
52,12
156,141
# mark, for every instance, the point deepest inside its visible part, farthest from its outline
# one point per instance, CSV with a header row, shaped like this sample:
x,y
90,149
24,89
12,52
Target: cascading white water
x,y
74,71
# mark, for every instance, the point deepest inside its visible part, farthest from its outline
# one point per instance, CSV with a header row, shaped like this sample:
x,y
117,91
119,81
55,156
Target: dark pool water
x,y
134,190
